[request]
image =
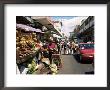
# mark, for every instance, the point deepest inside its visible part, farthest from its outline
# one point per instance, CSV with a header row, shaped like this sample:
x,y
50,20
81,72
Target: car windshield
x,y
86,46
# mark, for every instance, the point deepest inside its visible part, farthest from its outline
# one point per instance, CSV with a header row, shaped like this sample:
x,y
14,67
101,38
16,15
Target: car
x,y
85,51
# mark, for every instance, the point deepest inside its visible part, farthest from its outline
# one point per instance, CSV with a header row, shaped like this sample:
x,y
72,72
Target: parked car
x,y
85,51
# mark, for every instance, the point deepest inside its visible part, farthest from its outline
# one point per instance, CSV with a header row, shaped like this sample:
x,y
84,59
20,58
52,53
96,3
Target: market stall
x,y
26,45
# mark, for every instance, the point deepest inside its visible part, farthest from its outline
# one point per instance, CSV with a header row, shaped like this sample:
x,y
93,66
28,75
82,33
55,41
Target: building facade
x,y
57,25
86,32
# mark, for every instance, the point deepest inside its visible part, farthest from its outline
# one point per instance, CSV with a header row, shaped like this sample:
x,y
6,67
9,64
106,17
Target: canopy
x,y
55,35
27,28
47,23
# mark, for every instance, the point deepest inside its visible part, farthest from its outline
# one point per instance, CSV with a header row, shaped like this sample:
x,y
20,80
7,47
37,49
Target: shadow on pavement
x,y
91,72
66,54
76,56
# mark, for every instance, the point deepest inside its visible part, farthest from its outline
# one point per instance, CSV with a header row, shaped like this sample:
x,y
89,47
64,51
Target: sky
x,y
69,22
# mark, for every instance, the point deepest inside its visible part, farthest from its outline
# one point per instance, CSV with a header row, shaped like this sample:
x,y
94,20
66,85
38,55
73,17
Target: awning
x,y
47,23
55,35
27,28
23,20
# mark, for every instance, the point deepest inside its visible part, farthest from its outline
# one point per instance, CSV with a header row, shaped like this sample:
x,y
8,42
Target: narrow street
x,y
47,35
72,66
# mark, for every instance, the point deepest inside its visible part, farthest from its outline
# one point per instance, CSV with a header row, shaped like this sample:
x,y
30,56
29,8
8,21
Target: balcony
x,y
87,26
81,31
91,23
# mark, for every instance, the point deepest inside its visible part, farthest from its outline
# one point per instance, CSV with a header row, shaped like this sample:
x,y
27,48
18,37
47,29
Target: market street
x,y
45,45
72,66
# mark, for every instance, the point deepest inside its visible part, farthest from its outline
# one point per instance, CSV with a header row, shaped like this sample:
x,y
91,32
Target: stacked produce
x,y
32,67
25,46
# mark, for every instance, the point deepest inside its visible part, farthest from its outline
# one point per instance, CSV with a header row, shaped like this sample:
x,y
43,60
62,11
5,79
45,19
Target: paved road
x,y
72,66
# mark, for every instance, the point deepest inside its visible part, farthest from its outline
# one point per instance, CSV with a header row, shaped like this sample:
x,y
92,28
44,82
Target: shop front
x,y
26,46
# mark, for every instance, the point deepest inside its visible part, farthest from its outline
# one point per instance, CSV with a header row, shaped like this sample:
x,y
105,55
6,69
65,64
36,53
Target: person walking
x,y
73,47
65,47
59,47
70,47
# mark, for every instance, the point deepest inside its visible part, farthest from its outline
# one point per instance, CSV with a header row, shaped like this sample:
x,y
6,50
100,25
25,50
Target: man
x,y
73,47
70,47
65,46
59,48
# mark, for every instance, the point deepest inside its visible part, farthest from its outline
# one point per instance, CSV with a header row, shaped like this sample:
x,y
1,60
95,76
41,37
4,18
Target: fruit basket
x,y
25,46
25,58
56,58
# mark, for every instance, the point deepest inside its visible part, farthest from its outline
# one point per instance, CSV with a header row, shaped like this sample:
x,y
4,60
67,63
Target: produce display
x,y
57,60
25,46
32,67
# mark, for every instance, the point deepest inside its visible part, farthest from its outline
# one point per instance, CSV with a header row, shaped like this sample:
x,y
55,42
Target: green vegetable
x,y
32,67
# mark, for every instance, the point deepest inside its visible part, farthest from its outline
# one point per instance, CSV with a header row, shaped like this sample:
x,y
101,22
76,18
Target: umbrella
x,y
27,28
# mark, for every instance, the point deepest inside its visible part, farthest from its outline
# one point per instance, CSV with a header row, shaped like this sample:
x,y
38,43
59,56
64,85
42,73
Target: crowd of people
x,y
56,47
48,48
46,51
69,47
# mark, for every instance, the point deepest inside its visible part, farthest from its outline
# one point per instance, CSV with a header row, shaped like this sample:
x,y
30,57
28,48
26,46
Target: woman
x,y
51,48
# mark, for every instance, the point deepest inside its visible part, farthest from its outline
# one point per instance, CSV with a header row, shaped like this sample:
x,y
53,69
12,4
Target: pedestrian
x,y
68,51
59,47
70,47
65,47
73,47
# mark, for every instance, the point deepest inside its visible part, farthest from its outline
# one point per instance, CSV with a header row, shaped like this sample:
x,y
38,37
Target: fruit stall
x,y
26,46
27,49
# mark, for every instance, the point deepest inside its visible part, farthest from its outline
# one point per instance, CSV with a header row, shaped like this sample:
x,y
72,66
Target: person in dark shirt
x,y
59,48
65,46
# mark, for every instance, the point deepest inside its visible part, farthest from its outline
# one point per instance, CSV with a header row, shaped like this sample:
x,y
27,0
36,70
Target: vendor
x,y
52,48
38,45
